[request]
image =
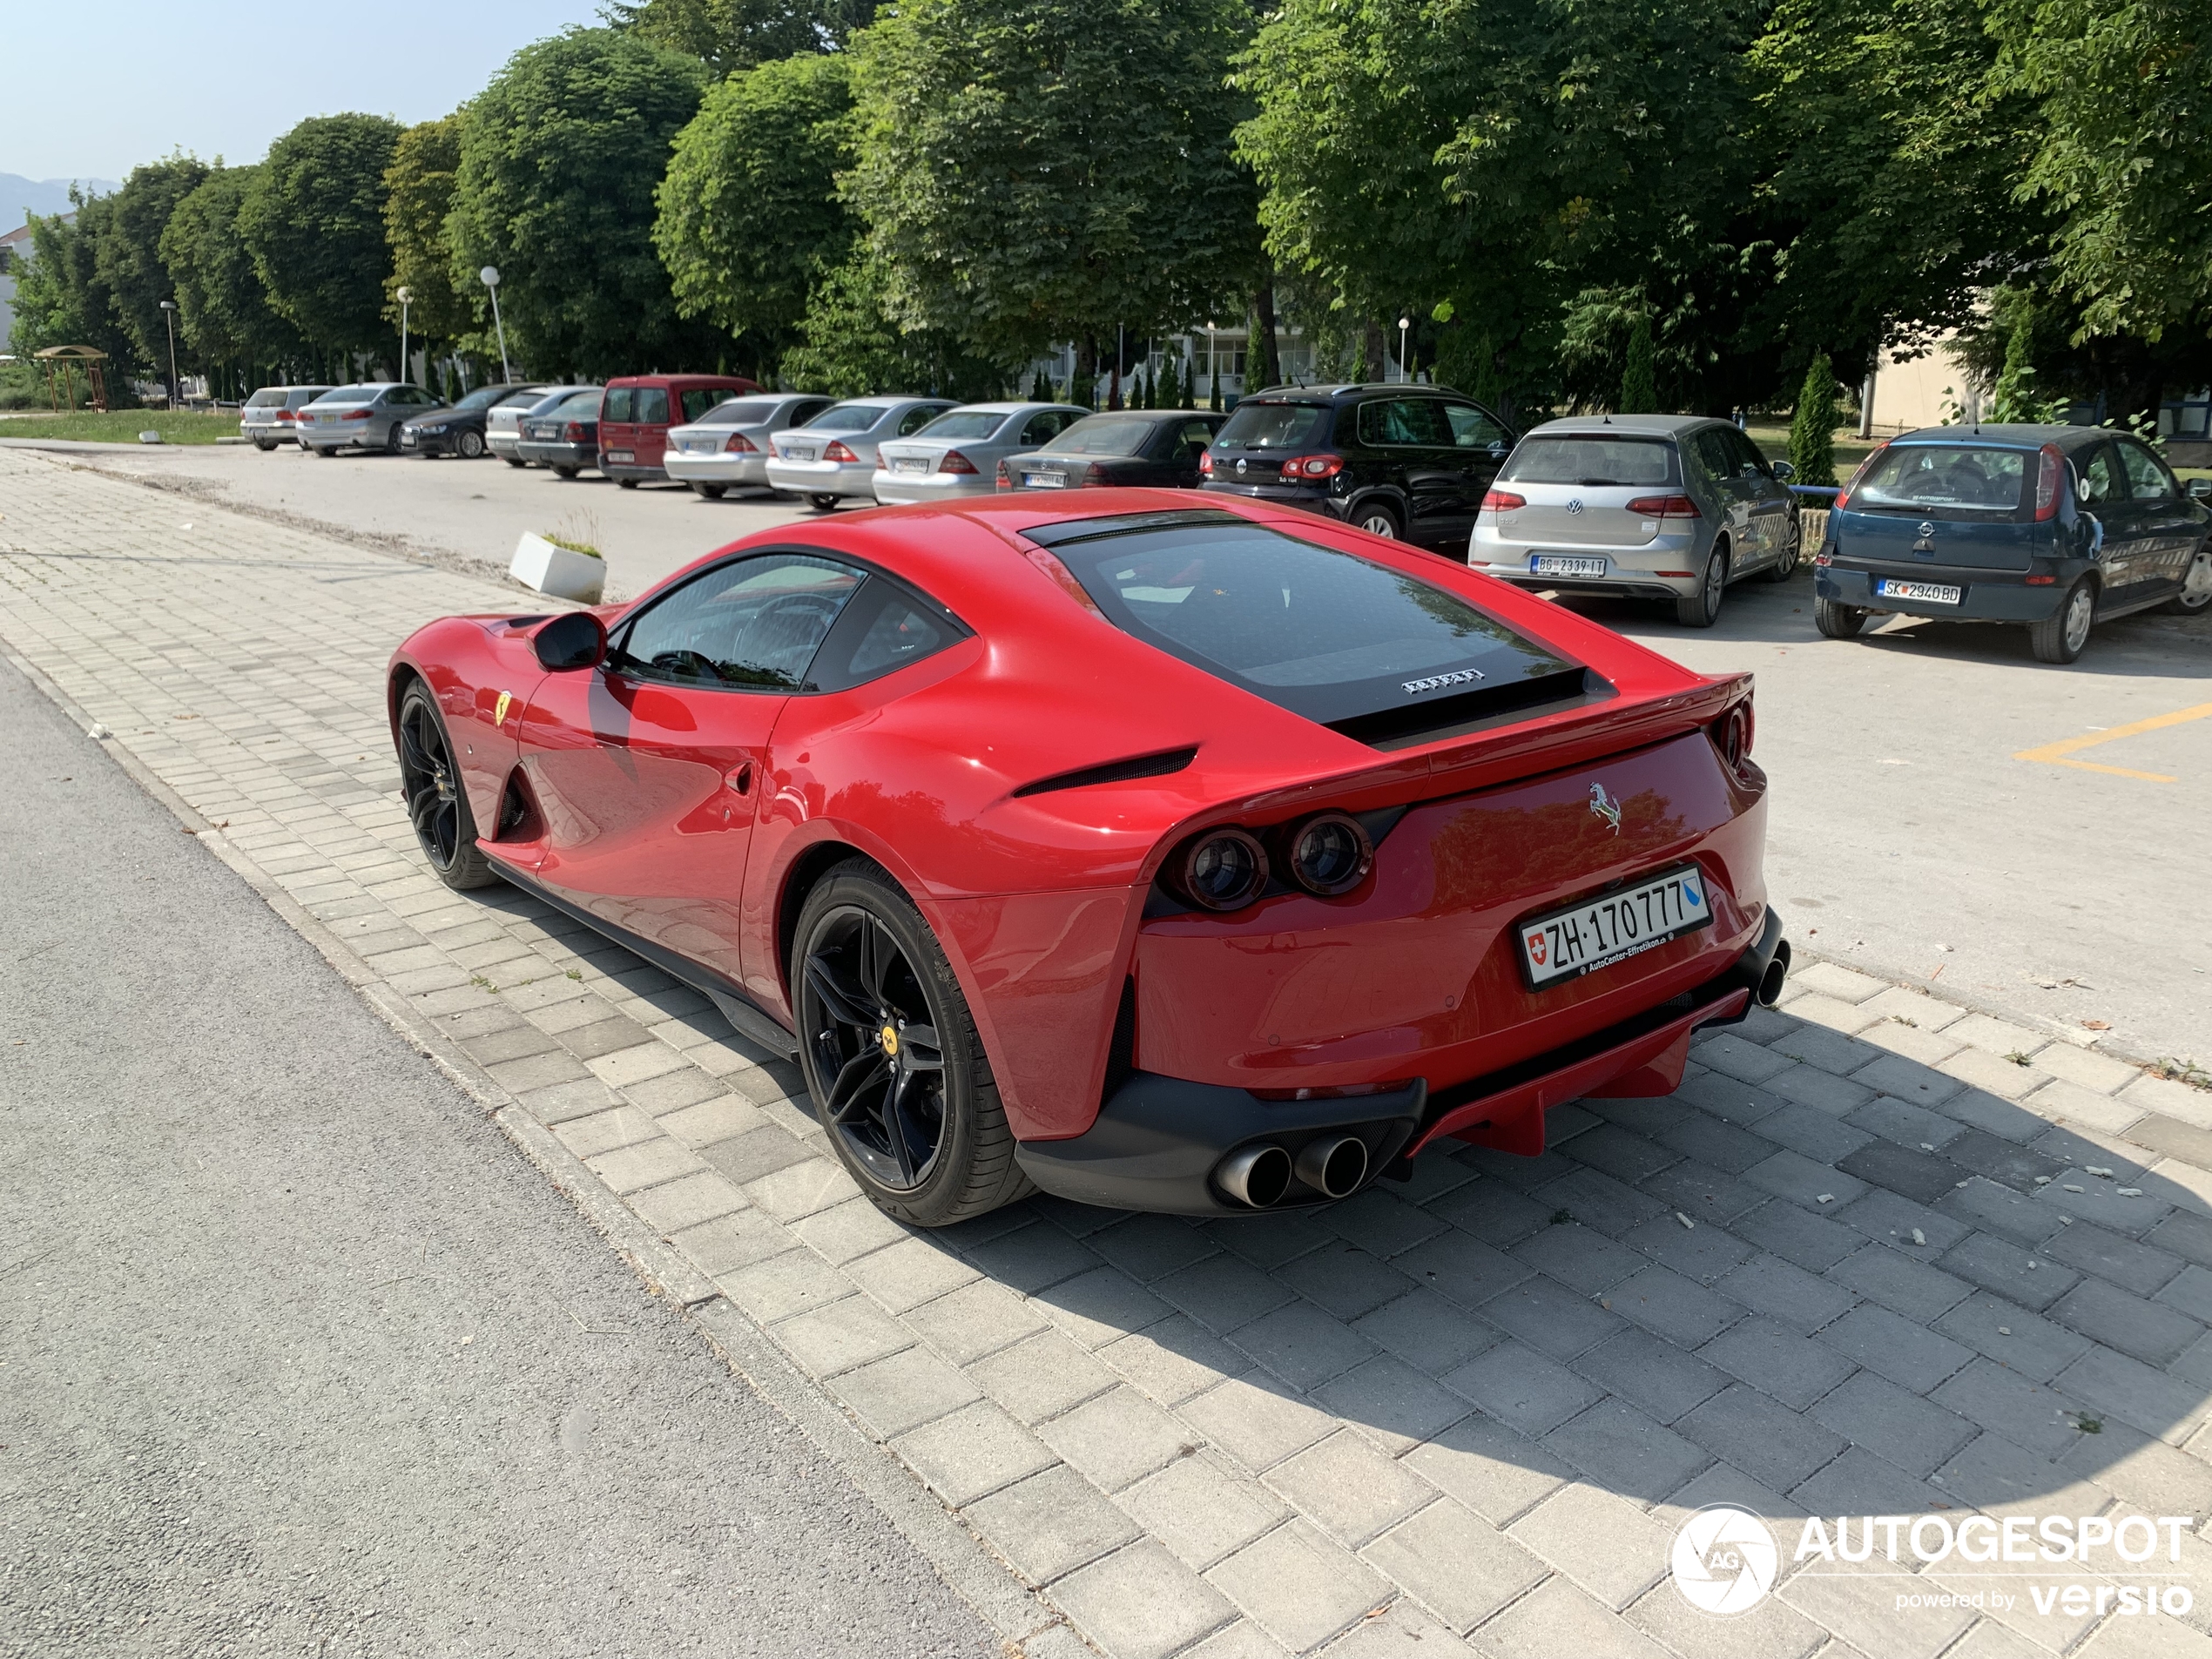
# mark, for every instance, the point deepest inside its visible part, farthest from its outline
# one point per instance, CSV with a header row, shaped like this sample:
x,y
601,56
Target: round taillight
x,y
1224,869
1331,853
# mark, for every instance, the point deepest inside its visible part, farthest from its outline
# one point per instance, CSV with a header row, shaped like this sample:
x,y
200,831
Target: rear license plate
x,y
700,447
799,455
1044,480
1562,564
900,464
1935,593
618,455
1597,932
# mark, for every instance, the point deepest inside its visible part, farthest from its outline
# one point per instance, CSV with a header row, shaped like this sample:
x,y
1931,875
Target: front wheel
x,y
1837,621
436,800
2060,635
1785,567
391,439
1702,608
2196,587
893,1064
471,446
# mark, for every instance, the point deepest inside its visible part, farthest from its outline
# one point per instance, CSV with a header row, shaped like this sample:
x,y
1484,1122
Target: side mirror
x,y
1784,471
577,640
2200,489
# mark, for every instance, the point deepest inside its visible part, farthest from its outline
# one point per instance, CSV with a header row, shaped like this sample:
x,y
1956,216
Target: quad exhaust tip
x,y
1257,1176
1776,970
1334,1166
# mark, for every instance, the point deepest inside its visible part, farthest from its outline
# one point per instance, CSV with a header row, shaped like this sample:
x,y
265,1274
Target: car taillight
x,y
360,414
574,432
1503,500
953,461
1006,476
1843,495
839,452
738,444
285,415
2047,475
1662,507
1313,466
1733,733
1205,462
1094,474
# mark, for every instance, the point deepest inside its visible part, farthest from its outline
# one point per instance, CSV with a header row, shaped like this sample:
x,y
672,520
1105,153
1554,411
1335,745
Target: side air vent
x,y
1114,771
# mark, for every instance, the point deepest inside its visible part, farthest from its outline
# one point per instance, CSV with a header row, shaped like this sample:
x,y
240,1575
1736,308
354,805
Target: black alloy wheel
x,y
891,1058
436,803
391,439
470,443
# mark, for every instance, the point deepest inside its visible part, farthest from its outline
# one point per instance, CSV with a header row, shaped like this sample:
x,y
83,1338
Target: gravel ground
x,y
297,1355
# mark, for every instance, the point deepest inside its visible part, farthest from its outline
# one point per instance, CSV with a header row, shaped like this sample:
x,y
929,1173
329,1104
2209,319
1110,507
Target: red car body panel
x,y
1039,899
646,443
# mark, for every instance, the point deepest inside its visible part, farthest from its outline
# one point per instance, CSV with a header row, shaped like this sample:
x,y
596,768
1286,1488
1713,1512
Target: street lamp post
x,y
403,294
169,316
491,276
1404,323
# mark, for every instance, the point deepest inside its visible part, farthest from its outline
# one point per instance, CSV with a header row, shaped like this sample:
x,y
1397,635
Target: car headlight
x,y
1331,852
1223,869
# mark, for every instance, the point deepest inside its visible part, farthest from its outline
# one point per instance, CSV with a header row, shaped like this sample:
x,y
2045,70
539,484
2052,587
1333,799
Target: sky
x,y
97,86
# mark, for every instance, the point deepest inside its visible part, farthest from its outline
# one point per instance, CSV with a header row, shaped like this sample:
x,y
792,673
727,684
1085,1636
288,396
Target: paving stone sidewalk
x,y
1859,1263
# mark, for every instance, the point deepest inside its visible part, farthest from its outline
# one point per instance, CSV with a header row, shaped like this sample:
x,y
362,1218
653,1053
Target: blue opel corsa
x,y
2058,527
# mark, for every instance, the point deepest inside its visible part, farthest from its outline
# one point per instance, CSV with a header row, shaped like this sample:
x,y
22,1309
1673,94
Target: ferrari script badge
x,y
1602,806
499,711
889,1038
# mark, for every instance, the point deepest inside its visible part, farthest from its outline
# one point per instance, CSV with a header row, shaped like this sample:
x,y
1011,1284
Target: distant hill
x,y
21,197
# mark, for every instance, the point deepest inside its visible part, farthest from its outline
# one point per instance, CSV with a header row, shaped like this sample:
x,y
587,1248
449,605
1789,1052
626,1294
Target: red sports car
x,y
1200,859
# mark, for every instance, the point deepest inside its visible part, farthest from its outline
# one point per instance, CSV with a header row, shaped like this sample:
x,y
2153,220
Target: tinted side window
x,y
617,404
1400,422
753,625
1474,428
1715,454
2100,476
699,399
915,419
652,406
1749,461
802,413
2147,479
1192,439
1043,428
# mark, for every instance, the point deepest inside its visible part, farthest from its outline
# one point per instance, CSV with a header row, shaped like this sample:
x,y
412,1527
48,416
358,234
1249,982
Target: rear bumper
x,y
718,467
1631,571
903,489
1158,1142
851,481
1985,596
557,455
631,472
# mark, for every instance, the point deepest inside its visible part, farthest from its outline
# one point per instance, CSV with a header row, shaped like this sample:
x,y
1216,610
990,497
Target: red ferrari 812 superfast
x,y
1199,859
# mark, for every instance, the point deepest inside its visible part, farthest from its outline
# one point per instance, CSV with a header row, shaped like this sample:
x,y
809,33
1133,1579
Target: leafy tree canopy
x,y
731,35
749,213
223,309
62,299
1031,170
314,220
848,347
418,200
129,250
559,163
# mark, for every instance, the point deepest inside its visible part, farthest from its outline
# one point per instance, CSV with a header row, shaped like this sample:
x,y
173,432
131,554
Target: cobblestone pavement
x,y
1868,1259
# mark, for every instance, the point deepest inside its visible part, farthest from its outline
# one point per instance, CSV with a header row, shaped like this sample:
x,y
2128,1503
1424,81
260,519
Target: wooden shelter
x,y
61,363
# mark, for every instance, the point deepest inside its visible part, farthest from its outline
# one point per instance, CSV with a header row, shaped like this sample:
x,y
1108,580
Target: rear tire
x,y
438,800
328,452
391,439
626,483
471,446
2060,635
1702,609
1837,621
866,962
1785,567
2196,587
265,445
710,492
1378,519
566,472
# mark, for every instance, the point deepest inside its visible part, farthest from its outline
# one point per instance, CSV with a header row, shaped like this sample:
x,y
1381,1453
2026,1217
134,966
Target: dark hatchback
x,y
1160,449
458,429
564,436
2056,527
1405,462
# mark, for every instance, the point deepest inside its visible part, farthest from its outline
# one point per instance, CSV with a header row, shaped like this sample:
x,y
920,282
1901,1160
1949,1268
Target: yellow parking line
x,y
2055,754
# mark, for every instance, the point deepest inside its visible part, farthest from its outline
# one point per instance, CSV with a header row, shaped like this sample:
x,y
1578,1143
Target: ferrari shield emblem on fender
x,y
1604,806
499,712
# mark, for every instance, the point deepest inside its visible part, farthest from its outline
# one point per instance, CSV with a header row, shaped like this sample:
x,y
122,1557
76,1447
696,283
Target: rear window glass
x,y
483,398
1275,426
583,405
847,417
272,398
1102,434
964,424
1921,476
1373,652
739,411
1591,461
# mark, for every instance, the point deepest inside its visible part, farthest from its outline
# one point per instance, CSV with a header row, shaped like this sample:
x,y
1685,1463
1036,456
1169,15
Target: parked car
x,y
564,437
1405,462
1283,856
639,410
456,428
270,416
1669,507
367,416
728,445
832,458
1131,447
503,421
958,454
2057,527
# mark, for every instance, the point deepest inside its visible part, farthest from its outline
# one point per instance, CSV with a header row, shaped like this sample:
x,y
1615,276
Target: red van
x,y
638,411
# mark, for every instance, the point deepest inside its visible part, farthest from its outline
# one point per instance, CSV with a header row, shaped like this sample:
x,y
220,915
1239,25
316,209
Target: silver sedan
x,y
367,416
729,444
958,454
833,457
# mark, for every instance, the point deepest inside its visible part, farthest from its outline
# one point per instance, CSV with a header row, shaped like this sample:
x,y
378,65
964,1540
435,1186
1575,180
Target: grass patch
x,y
122,426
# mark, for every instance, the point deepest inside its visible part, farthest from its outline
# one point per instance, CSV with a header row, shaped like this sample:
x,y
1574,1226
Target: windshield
x,y
1587,459
739,411
847,417
1274,426
483,398
1374,652
1102,434
965,423
1921,476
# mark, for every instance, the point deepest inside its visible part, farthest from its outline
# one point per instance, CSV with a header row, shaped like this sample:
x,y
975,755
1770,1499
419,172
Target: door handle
x,y
741,779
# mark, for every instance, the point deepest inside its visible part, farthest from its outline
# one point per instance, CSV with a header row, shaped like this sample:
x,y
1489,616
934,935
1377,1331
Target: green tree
x,y
223,309
749,214
559,163
1639,378
849,348
129,252
1034,171
313,221
62,299
732,35
418,200
1813,424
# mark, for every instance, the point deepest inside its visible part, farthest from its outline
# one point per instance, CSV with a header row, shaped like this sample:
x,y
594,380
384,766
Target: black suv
x,y
1408,462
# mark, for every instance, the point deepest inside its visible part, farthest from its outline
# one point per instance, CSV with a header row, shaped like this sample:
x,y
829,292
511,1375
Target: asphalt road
x,y
1905,837
298,1356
